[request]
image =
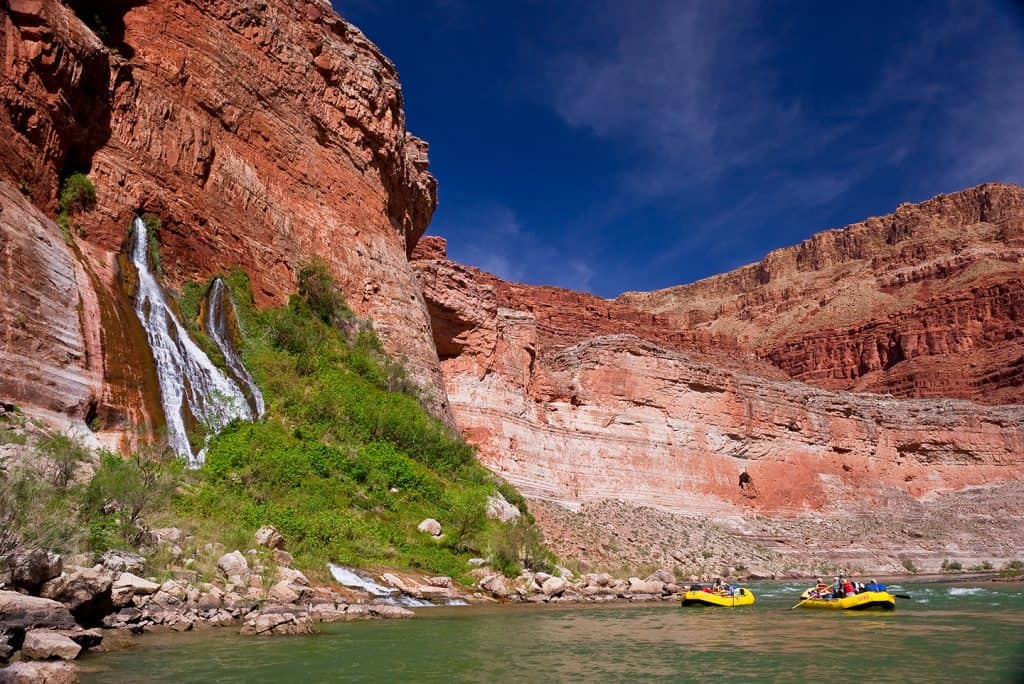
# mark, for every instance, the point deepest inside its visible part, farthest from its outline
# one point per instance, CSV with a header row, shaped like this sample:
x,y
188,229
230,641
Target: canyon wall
x,y
261,135
925,302
582,401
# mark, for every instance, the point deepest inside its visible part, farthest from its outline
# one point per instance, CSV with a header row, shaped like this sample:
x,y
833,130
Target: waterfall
x,y
188,379
220,313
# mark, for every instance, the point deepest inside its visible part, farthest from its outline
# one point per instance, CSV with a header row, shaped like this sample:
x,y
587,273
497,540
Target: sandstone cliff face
x,y
924,302
260,134
577,413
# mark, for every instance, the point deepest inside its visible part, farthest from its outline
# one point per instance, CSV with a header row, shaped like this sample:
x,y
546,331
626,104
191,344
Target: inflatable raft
x,y
742,597
868,600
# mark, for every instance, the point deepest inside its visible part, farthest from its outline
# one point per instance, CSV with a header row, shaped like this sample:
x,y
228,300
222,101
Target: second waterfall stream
x,y
193,391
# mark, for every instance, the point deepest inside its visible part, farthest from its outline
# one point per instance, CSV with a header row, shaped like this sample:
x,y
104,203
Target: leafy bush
x,y
317,288
64,455
77,194
951,566
908,563
121,492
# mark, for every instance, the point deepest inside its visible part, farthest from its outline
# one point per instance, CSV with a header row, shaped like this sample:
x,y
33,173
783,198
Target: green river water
x,y
943,633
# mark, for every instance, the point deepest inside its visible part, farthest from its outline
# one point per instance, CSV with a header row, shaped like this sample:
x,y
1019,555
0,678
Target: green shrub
x,y
317,288
908,563
65,456
77,194
951,566
121,492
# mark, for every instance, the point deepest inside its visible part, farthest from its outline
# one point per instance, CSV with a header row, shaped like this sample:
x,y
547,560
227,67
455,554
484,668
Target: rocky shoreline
x,y
51,612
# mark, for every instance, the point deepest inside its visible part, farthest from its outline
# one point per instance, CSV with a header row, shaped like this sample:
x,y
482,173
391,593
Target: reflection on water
x,y
958,636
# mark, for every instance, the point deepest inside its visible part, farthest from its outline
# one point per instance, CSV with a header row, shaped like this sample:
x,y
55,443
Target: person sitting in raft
x,y
837,587
848,588
820,590
874,585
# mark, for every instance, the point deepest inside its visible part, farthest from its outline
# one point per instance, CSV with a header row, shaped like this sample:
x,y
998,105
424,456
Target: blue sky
x,y
612,146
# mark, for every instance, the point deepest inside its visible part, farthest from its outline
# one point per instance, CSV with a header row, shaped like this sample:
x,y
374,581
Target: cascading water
x,y
188,379
220,308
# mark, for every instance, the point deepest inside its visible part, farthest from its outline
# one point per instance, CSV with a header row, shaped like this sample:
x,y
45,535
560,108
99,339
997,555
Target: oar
x,y
902,596
799,604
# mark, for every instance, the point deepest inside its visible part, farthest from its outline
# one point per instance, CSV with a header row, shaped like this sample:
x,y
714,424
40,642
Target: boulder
x,y
282,592
663,576
283,557
476,562
86,638
444,582
293,576
540,578
123,561
599,579
233,565
85,591
31,568
18,611
639,586
276,619
47,644
39,673
498,508
496,585
390,612
269,537
430,526
554,586
128,585
167,535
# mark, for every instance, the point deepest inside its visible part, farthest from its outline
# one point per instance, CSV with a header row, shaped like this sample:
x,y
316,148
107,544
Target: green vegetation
x,y
951,566
77,194
343,465
1014,568
153,227
908,563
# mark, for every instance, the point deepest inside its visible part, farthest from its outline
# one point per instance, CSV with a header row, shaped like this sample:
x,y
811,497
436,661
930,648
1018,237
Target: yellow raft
x,y
868,600
743,597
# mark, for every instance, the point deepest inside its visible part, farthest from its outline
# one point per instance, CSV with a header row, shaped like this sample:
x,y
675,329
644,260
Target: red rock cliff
x,y
925,302
673,399
260,134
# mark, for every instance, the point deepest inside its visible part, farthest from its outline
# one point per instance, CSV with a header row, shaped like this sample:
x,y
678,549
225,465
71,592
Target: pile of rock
x,y
53,611
541,587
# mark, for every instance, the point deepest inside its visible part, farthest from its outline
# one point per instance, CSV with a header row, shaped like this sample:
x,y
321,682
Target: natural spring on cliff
x,y
192,389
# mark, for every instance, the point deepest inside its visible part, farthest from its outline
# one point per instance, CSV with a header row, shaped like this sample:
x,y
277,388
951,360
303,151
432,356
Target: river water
x,y
943,633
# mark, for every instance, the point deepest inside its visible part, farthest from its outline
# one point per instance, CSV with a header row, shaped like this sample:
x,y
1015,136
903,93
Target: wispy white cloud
x,y
694,88
494,239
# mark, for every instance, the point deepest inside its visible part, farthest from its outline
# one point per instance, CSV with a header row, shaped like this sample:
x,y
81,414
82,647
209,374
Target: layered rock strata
x,y
925,302
573,412
261,137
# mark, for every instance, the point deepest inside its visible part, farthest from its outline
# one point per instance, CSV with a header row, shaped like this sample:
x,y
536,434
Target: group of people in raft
x,y
842,587
719,587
